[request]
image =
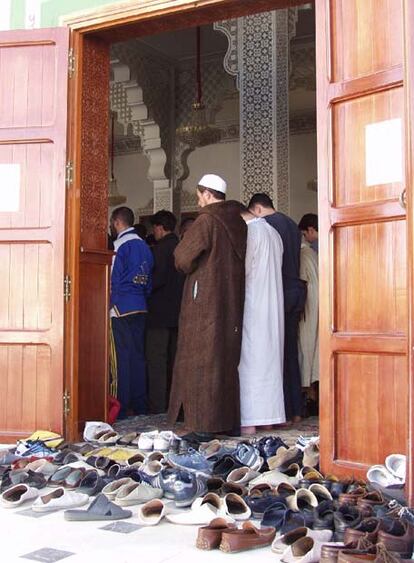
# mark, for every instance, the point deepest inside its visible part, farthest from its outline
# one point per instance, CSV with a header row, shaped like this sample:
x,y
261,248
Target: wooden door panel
x,y
367,37
368,402
362,252
370,293
33,100
352,120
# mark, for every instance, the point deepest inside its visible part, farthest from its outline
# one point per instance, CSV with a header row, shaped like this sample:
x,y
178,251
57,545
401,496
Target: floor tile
x,y
121,527
47,555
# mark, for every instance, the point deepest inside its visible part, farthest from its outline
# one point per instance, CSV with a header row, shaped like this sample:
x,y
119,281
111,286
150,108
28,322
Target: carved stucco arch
x,y
127,101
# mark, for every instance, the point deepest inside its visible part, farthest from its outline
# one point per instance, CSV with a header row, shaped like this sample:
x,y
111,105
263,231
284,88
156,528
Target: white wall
x,y
302,169
222,159
131,174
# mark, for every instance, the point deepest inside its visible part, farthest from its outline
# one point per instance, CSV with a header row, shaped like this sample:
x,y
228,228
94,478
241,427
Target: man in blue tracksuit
x,y
130,287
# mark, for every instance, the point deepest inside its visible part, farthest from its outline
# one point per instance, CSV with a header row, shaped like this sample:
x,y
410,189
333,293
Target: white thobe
x,y
309,325
261,360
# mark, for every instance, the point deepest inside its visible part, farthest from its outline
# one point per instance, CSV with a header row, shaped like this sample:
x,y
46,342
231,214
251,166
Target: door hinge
x,y
71,62
69,173
66,403
67,288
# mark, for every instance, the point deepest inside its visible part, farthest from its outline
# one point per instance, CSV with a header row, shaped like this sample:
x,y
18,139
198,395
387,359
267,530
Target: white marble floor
x,y
22,534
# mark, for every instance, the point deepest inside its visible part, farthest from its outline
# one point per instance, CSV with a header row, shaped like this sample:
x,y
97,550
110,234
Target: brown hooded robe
x,y
205,378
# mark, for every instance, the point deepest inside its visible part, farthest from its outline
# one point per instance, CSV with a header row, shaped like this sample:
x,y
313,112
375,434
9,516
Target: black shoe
x,y
198,437
268,446
225,466
347,516
323,518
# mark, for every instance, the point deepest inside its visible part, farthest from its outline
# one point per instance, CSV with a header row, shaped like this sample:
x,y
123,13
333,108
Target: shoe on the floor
x,y
369,501
136,493
111,489
17,495
236,507
281,543
379,474
209,537
59,499
249,537
268,446
100,509
323,517
188,488
302,499
304,550
396,465
163,440
21,476
224,466
347,516
200,514
242,475
261,503
193,462
146,440
91,484
92,428
151,513
42,466
248,456
311,454
320,492
272,478
151,468
396,536
284,457
368,528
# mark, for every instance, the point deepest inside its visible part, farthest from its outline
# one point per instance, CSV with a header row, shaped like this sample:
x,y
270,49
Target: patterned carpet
x,y
308,427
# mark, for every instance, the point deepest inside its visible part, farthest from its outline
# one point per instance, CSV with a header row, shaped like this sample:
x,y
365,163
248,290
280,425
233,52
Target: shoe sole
x,y
225,548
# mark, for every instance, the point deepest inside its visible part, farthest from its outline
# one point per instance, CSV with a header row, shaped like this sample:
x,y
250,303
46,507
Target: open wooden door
x,y
363,243
33,113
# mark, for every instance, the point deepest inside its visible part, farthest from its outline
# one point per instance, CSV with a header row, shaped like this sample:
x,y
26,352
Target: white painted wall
x,y
130,171
302,169
222,159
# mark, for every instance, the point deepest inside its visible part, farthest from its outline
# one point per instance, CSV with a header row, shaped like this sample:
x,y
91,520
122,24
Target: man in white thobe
x,y
309,325
261,360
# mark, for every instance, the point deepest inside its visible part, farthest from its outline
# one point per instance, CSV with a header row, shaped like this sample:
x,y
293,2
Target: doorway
x,y
364,89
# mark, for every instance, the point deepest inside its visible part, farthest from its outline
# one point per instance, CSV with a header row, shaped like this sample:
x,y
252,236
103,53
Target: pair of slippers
x,y
391,474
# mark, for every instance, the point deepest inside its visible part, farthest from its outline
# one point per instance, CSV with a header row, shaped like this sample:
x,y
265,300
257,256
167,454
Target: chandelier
x,y
114,198
198,132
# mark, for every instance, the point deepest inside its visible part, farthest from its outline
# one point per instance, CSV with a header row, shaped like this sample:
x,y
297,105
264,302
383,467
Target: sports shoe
x,y
186,488
192,461
29,448
146,441
268,446
162,441
248,456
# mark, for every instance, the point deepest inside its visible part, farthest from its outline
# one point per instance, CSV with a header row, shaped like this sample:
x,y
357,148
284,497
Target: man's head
x,y
163,223
309,227
211,189
261,205
122,218
245,213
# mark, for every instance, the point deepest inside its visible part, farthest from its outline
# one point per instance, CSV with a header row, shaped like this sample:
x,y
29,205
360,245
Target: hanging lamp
x,y
115,198
198,133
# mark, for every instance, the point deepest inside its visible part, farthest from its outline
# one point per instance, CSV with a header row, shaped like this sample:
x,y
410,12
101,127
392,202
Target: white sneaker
x,y
17,495
281,543
146,441
396,464
59,499
151,513
163,439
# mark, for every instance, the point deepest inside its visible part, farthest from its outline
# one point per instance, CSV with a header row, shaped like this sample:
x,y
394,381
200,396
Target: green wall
x,y
52,10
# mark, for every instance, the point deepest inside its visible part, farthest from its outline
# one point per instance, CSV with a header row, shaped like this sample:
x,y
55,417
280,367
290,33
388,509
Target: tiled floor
x,y
50,538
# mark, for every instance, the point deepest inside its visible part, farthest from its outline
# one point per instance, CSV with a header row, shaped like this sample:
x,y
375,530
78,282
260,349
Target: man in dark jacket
x,y
212,255
163,311
294,292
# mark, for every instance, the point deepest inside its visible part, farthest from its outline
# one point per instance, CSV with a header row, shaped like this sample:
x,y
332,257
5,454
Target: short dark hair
x,y
218,195
141,230
165,218
124,214
261,199
308,220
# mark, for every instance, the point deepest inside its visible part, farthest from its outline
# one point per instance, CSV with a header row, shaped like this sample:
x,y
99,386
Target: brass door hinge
x,y
69,173
67,288
66,404
71,63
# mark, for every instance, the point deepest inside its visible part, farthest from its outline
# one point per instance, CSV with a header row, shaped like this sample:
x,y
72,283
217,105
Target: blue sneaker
x,y
192,461
248,456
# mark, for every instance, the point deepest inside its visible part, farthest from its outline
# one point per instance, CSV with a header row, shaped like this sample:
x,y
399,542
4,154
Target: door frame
x,y
121,21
